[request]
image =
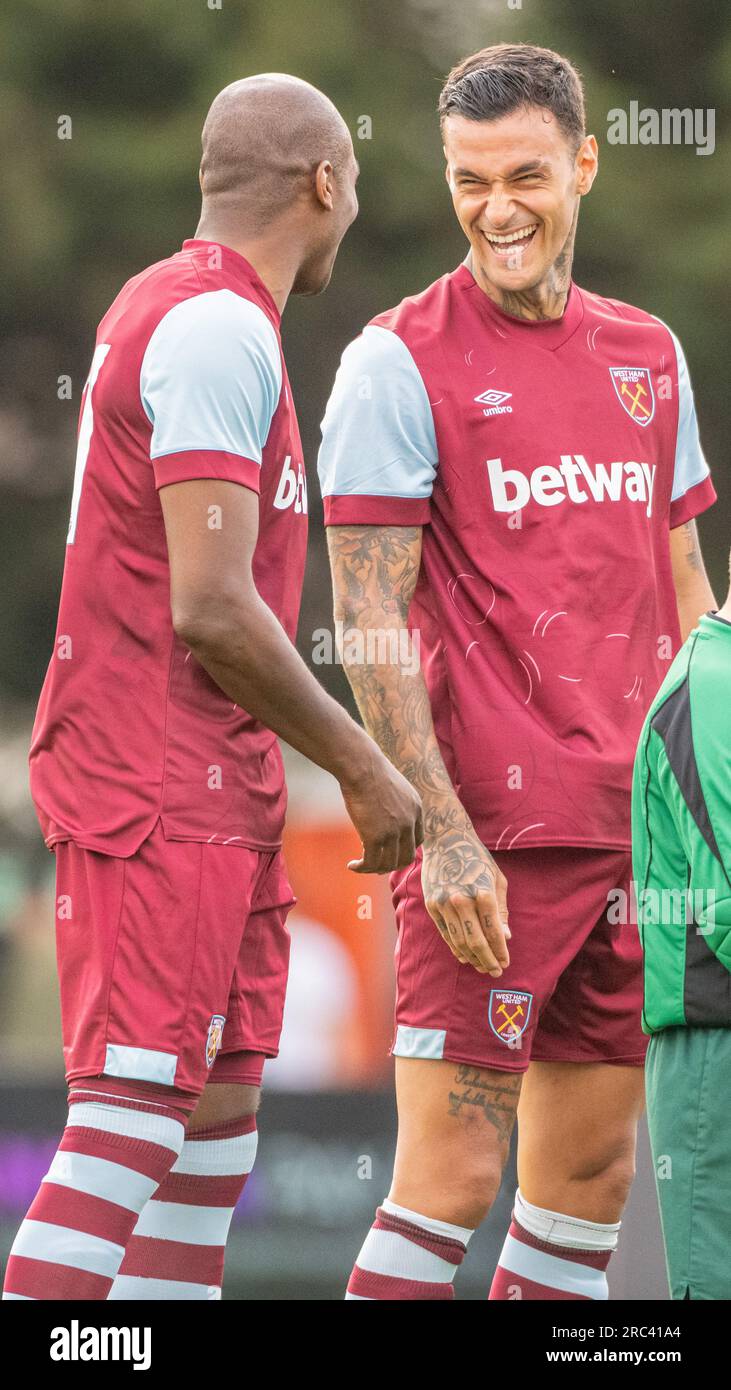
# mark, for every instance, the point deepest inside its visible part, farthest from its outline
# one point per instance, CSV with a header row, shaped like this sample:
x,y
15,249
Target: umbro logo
x,y
493,402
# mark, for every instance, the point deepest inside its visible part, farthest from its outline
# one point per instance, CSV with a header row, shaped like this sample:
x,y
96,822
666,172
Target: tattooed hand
x,y
466,894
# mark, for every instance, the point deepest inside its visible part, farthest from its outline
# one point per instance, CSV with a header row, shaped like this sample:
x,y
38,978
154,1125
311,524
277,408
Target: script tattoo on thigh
x,y
477,1091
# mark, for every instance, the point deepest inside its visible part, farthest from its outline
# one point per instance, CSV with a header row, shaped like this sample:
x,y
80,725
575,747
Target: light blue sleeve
x,y
690,463
378,435
211,377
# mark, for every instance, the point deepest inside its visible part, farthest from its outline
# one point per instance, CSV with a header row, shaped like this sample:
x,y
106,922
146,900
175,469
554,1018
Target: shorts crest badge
x,y
633,386
213,1041
509,1012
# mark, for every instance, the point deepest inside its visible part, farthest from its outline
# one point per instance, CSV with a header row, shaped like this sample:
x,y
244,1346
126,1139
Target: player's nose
x,y
499,211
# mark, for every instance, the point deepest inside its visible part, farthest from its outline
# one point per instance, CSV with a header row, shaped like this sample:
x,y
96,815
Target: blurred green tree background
x,y
136,76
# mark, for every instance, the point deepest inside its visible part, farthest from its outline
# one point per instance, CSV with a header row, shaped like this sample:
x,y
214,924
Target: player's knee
x,y
610,1172
617,1179
475,1190
461,1191
220,1104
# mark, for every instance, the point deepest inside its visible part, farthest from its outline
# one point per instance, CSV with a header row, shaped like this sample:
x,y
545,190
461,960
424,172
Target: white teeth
x,y
512,236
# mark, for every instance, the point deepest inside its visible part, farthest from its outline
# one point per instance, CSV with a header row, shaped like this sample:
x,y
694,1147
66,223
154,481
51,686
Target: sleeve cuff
x,y
696,500
206,463
353,509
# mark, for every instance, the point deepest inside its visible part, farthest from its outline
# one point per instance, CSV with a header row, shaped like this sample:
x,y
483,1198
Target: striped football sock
x,y
178,1247
113,1153
549,1256
408,1256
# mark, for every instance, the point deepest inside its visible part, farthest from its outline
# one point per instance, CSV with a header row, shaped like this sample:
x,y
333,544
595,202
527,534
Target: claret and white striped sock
x,y
113,1153
550,1256
178,1247
408,1256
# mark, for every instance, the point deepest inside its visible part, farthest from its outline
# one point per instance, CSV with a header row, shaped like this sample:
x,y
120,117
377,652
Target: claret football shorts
x,y
173,962
572,991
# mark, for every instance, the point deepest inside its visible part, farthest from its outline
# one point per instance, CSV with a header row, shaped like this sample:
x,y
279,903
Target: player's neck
x,y
725,612
544,301
277,270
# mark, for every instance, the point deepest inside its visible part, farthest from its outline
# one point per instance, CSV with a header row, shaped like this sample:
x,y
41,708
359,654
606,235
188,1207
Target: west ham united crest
x,y
213,1041
509,1014
634,390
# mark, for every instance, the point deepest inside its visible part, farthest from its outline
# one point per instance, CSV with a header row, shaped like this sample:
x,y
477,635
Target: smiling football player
x,y
511,467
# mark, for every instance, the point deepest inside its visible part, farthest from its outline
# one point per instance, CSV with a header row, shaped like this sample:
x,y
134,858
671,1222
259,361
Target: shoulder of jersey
x,y
184,277
177,269
417,306
603,307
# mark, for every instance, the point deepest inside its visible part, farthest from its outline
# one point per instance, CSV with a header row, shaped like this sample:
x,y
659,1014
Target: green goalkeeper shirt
x,y
681,837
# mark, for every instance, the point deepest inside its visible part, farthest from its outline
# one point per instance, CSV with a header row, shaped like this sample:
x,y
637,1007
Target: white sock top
x,y
571,1231
428,1223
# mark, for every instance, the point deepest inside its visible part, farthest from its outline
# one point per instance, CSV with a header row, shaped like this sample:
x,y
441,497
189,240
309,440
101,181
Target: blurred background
x,y
80,215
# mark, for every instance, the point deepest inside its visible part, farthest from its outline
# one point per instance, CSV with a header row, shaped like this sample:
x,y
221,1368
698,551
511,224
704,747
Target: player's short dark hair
x,y
508,76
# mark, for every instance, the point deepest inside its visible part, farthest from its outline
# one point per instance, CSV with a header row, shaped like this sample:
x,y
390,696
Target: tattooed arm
x,y
375,569
692,590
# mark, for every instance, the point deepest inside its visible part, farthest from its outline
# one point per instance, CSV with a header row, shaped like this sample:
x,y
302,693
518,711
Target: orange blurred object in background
x,y
357,910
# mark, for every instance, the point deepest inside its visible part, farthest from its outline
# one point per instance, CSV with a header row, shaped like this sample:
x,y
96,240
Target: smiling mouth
x,y
511,243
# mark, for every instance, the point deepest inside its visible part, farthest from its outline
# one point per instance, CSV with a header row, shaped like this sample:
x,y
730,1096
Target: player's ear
x,y
324,181
587,164
200,179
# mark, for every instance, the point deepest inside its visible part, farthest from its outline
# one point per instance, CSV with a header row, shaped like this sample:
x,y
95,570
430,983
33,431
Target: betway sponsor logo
x,y
292,488
574,480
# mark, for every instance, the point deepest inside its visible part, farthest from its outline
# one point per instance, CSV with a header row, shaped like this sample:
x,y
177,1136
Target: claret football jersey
x,y
187,381
546,462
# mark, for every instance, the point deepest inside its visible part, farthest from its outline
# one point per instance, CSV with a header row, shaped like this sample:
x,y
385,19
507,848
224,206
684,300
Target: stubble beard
x,y
544,300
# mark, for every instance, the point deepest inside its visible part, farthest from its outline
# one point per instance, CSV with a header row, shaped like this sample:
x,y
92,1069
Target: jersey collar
x,y
239,268
551,333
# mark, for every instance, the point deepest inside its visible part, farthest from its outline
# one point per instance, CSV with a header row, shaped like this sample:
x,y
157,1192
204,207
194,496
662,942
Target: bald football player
x,y
155,766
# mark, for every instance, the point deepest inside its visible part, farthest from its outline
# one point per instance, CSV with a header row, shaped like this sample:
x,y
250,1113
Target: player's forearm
x,y
249,656
374,574
395,708
693,592
693,601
